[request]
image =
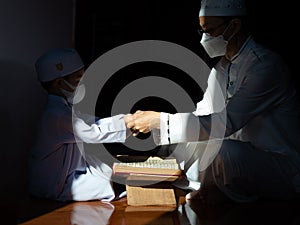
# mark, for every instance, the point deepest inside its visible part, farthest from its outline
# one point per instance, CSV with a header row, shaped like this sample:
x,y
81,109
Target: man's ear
x,y
237,23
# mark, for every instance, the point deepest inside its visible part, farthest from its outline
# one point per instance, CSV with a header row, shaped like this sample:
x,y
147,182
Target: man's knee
x,y
232,150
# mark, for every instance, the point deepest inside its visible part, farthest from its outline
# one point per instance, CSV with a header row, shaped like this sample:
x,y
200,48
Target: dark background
x,y
103,25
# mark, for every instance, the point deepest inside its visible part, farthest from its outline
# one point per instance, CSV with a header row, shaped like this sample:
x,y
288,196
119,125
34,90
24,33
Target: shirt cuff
x,y
177,128
111,124
161,136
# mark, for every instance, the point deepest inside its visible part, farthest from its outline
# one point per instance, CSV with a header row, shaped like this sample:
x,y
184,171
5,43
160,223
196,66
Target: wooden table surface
x,y
187,213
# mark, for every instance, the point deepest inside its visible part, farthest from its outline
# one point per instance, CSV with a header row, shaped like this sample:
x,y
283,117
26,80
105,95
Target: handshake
x,y
142,121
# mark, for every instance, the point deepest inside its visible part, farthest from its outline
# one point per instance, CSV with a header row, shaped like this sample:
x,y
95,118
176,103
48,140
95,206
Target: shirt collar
x,y
243,50
57,98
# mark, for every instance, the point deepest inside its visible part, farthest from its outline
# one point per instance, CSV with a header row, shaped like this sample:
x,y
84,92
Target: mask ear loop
x,y
70,85
226,30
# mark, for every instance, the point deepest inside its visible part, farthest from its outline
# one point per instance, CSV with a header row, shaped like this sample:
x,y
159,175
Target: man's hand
x,y
129,119
143,121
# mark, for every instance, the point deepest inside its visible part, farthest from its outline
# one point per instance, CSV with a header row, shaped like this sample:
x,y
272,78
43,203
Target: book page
x,y
153,165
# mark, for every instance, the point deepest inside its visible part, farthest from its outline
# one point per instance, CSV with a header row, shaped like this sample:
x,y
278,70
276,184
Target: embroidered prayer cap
x,y
223,8
57,63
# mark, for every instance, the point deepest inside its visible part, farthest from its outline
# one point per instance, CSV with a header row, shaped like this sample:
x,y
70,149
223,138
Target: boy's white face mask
x,y
75,96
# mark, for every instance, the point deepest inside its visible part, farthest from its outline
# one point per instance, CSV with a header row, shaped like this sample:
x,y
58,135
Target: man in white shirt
x,y
58,168
243,137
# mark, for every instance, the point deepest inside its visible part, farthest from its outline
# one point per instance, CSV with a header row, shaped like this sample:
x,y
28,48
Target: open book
x,y
152,169
149,183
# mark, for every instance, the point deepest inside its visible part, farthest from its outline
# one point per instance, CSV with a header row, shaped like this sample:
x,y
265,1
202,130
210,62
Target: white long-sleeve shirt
x,y
250,98
58,169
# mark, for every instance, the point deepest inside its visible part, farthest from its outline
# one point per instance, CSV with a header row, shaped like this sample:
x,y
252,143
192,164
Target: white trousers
x,y
239,170
95,184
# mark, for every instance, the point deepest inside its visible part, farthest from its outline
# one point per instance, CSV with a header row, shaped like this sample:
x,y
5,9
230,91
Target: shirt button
x,y
231,83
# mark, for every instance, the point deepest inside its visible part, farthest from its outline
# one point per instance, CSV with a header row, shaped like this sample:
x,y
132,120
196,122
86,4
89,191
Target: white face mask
x,y
75,96
215,46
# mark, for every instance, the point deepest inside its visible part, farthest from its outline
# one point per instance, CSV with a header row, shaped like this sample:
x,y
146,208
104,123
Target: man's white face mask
x,y
215,46
75,96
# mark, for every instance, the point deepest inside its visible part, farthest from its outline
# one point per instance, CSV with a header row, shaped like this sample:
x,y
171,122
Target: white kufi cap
x,y
223,8
58,63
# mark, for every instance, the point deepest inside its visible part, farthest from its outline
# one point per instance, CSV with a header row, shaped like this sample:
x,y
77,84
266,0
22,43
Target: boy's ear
x,y
58,81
